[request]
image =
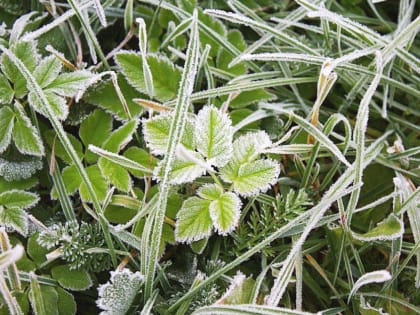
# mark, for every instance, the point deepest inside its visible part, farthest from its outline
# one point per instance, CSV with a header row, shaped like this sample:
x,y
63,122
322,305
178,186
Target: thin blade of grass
x,y
175,134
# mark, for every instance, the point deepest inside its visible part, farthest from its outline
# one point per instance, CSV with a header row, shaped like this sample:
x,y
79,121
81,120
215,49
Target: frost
x,y
370,277
116,296
14,171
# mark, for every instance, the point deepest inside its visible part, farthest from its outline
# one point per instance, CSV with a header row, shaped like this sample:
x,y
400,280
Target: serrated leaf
x,y
18,198
246,148
6,91
7,119
99,183
156,133
121,137
72,83
105,97
117,295
210,191
370,277
116,174
25,135
166,76
214,135
183,170
193,220
58,104
75,280
15,218
389,229
95,130
47,70
256,176
225,212
15,183
26,52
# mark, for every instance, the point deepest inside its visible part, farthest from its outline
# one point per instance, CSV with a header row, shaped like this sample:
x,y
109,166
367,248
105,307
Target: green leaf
x,y
225,212
66,303
210,191
117,295
16,184
75,280
246,148
214,135
72,83
183,170
71,178
100,185
142,157
166,76
59,150
389,229
6,91
47,70
25,135
193,220
18,198
255,177
7,119
26,52
35,251
14,218
95,130
240,291
58,104
156,133
121,137
116,174
43,298
105,97
120,160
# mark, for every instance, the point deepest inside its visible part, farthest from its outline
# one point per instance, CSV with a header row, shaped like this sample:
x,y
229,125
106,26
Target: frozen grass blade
x,y
370,277
247,309
319,136
57,21
240,19
246,86
336,191
359,138
90,34
147,73
100,12
8,258
175,134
